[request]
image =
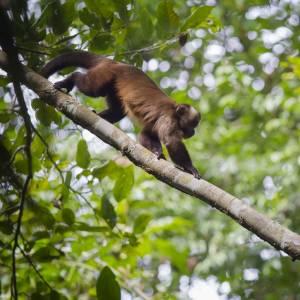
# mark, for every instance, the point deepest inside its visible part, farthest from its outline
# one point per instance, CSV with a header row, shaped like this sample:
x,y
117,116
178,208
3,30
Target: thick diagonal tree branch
x,y
278,236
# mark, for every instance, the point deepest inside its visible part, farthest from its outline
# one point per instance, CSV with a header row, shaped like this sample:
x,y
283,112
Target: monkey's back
x,y
142,99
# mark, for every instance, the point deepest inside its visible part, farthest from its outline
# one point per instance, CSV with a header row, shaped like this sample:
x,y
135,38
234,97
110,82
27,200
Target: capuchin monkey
x,y
129,91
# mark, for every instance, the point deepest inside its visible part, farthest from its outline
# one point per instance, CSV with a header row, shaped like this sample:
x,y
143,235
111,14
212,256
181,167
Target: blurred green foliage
x,y
93,222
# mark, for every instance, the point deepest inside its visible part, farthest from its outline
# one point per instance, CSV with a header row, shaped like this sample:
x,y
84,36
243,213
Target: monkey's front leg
x,y
112,116
152,143
181,157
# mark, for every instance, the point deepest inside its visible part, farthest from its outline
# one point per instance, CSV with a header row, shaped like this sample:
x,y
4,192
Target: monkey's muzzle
x,y
187,133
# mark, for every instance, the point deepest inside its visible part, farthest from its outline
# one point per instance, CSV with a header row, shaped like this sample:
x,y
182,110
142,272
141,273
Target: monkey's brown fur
x,y
129,91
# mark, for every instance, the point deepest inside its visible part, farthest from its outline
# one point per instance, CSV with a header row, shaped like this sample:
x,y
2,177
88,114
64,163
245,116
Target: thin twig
x,y
26,184
149,48
29,260
33,51
121,275
65,39
8,210
22,147
48,153
60,171
44,11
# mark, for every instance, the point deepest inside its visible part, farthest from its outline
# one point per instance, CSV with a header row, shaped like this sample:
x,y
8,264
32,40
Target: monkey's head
x,y
188,119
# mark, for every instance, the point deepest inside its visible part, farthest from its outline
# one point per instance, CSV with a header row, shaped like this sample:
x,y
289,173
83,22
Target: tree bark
x,y
272,232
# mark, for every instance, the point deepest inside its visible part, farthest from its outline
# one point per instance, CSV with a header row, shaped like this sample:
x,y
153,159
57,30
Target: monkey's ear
x,y
181,109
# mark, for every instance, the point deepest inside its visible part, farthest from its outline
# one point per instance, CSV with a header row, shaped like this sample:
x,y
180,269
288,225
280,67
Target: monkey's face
x,y
188,119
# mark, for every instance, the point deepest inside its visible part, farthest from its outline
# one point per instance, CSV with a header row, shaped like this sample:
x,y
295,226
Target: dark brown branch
x,y
14,70
32,51
39,274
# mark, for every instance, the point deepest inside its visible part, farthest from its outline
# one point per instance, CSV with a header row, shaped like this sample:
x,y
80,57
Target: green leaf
x,y
167,19
124,184
36,296
5,117
54,295
144,18
111,169
88,228
46,218
108,212
102,42
21,163
45,113
60,16
89,18
40,235
197,17
62,228
7,227
176,224
47,253
37,148
107,287
141,223
68,178
100,7
4,81
42,215
65,186
132,239
177,257
83,156
68,216
121,7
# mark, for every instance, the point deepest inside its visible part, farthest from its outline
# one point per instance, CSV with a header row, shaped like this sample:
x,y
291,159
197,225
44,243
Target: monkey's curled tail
x,y
81,59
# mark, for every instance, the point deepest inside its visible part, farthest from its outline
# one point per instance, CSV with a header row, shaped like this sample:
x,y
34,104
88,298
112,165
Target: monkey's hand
x,y
63,86
193,171
59,86
181,158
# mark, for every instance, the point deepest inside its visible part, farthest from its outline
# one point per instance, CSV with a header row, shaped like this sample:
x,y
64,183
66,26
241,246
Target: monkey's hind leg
x,y
152,143
82,82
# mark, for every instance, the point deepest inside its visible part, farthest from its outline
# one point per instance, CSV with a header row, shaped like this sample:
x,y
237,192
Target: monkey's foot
x,y
195,173
160,155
